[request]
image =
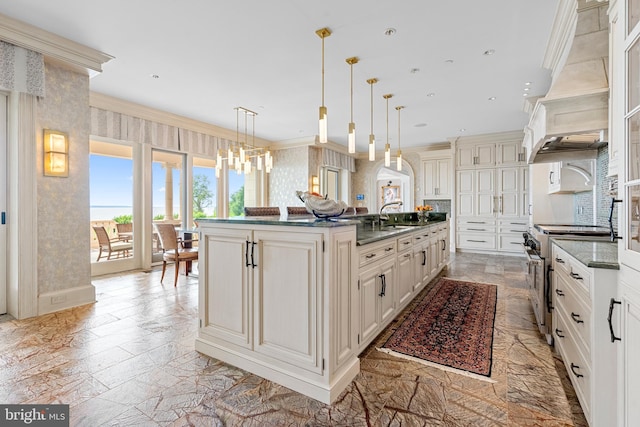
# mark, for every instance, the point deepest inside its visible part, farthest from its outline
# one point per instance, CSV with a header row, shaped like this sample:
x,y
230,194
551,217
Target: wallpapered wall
x,y
366,174
290,173
63,203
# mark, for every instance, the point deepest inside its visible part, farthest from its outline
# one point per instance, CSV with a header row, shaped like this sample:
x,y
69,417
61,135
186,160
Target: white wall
x,y
548,208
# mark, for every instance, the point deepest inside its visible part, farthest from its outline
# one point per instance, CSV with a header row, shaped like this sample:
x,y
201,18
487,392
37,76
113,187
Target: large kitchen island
x,y
296,300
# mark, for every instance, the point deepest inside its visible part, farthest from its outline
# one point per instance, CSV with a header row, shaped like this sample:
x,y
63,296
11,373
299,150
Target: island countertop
x,y
366,231
592,253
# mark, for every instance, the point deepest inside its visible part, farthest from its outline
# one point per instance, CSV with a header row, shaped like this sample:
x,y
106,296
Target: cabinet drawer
x,y
405,243
576,365
421,237
476,241
560,261
369,255
510,243
576,314
512,229
476,221
477,228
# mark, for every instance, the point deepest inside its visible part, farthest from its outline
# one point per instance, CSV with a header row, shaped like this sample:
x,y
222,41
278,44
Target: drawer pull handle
x,y
404,243
559,292
476,222
573,369
576,318
477,229
612,304
388,249
478,241
246,254
418,238
383,289
407,255
370,256
424,257
559,260
559,333
575,276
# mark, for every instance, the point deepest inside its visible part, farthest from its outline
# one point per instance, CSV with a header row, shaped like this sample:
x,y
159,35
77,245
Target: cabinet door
x,y
289,266
629,369
444,183
485,155
227,285
405,276
370,288
509,153
484,185
420,259
388,299
430,171
509,192
434,255
466,157
466,193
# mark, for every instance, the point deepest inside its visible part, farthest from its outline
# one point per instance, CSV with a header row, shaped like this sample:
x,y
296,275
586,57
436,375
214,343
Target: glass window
x,y
634,147
633,242
111,200
205,185
168,195
633,14
236,193
634,75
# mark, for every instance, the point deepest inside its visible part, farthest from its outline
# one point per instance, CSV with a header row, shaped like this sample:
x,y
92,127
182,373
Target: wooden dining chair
x,y
109,245
262,211
297,210
173,251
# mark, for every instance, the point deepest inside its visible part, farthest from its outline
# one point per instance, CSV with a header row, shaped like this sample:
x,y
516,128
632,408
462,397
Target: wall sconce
x,y
56,153
315,184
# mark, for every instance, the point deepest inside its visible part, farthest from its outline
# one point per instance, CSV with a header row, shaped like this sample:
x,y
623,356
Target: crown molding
x,y
562,32
117,105
509,136
52,45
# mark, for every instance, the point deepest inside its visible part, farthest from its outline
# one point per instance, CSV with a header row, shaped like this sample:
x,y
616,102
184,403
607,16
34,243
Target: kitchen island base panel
x,y
325,393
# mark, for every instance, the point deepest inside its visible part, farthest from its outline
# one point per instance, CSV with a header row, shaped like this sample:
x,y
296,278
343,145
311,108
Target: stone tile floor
x,y
129,360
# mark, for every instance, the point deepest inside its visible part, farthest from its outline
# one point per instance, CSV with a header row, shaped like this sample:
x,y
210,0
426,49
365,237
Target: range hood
x,y
570,122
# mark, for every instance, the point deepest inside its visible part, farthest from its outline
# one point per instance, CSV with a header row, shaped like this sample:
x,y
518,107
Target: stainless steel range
x,y
538,251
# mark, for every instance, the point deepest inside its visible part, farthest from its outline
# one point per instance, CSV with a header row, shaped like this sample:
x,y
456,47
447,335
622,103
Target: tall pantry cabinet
x,y
624,144
492,181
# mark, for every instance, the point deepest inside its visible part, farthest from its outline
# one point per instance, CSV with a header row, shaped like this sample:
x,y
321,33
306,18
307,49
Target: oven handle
x,y
547,290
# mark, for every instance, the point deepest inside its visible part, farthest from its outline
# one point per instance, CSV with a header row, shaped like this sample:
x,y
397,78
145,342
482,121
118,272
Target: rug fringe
x,y
436,365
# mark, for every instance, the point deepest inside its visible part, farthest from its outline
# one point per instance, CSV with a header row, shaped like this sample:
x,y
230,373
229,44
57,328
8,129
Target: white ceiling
x,y
214,55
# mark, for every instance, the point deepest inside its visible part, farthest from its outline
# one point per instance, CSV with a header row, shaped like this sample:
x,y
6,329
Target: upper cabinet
x,y
571,177
490,154
437,173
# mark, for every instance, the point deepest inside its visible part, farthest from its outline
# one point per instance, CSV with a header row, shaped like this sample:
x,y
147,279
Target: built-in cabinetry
x,y
279,301
492,184
586,329
437,175
571,176
624,144
393,271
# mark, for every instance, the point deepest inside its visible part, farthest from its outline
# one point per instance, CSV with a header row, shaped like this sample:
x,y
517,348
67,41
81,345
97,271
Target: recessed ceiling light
x,y
489,52
155,76
462,130
527,84
449,61
526,89
389,31
420,125
414,70
492,98
430,94
525,94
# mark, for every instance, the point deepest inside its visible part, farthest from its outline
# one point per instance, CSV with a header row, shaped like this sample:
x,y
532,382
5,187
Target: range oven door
x,y
536,286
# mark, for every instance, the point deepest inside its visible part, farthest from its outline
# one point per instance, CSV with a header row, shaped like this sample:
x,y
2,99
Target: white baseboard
x,y
66,298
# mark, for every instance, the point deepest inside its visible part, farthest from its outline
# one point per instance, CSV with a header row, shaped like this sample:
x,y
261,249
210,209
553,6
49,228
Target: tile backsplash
x,y
605,188
438,205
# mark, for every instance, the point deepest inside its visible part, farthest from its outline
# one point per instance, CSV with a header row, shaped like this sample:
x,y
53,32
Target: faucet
x,y
386,217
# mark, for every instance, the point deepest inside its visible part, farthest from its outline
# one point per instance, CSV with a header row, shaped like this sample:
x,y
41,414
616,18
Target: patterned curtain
x,y
21,70
338,160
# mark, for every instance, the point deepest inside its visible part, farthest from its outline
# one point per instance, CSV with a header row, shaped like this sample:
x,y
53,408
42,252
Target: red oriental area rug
x,y
451,326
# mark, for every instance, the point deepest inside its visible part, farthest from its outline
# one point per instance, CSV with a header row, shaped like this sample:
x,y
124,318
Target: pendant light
x,y
399,159
352,125
372,138
322,122
387,147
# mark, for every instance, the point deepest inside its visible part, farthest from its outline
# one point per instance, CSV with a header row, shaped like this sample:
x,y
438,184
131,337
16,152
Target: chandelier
x,y
241,154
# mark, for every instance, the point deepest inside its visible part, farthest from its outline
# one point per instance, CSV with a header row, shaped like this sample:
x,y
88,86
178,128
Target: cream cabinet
x,y
510,153
629,355
393,271
281,301
492,208
377,286
571,177
482,154
437,178
585,323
